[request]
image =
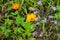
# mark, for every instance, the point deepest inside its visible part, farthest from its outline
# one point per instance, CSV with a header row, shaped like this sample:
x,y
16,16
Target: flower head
x,y
41,34
54,8
35,12
31,17
40,3
55,22
15,6
50,16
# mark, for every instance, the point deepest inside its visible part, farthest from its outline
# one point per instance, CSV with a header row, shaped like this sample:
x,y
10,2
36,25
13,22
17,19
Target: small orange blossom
x,y
15,6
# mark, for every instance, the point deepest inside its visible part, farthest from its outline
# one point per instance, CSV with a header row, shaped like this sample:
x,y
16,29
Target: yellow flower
x,y
31,17
15,6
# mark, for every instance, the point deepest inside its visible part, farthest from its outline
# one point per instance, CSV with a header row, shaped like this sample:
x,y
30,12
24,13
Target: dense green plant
x,y
13,25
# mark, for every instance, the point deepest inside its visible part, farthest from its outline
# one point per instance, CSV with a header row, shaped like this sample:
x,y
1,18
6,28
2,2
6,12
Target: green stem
x,y
43,28
22,3
58,2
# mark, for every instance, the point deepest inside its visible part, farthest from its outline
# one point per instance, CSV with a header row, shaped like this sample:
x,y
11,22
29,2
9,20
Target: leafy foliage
x,y
13,25
57,15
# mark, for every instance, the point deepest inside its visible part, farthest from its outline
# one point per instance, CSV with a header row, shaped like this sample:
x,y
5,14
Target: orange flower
x,y
31,17
15,6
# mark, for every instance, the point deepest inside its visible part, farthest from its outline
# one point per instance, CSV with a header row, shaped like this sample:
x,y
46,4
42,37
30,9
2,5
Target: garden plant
x,y
29,19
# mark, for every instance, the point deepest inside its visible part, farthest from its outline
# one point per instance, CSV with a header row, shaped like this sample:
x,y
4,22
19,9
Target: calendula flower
x,y
15,6
31,17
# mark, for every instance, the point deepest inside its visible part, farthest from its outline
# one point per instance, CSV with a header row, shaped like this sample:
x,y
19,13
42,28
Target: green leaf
x,y
17,1
35,4
6,32
43,0
15,30
31,38
8,22
57,15
29,33
6,15
27,25
16,12
1,32
2,28
58,7
18,30
24,8
20,38
19,20
10,2
9,8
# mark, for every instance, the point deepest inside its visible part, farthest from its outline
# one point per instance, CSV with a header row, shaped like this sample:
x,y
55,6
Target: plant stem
x,y
58,2
43,28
